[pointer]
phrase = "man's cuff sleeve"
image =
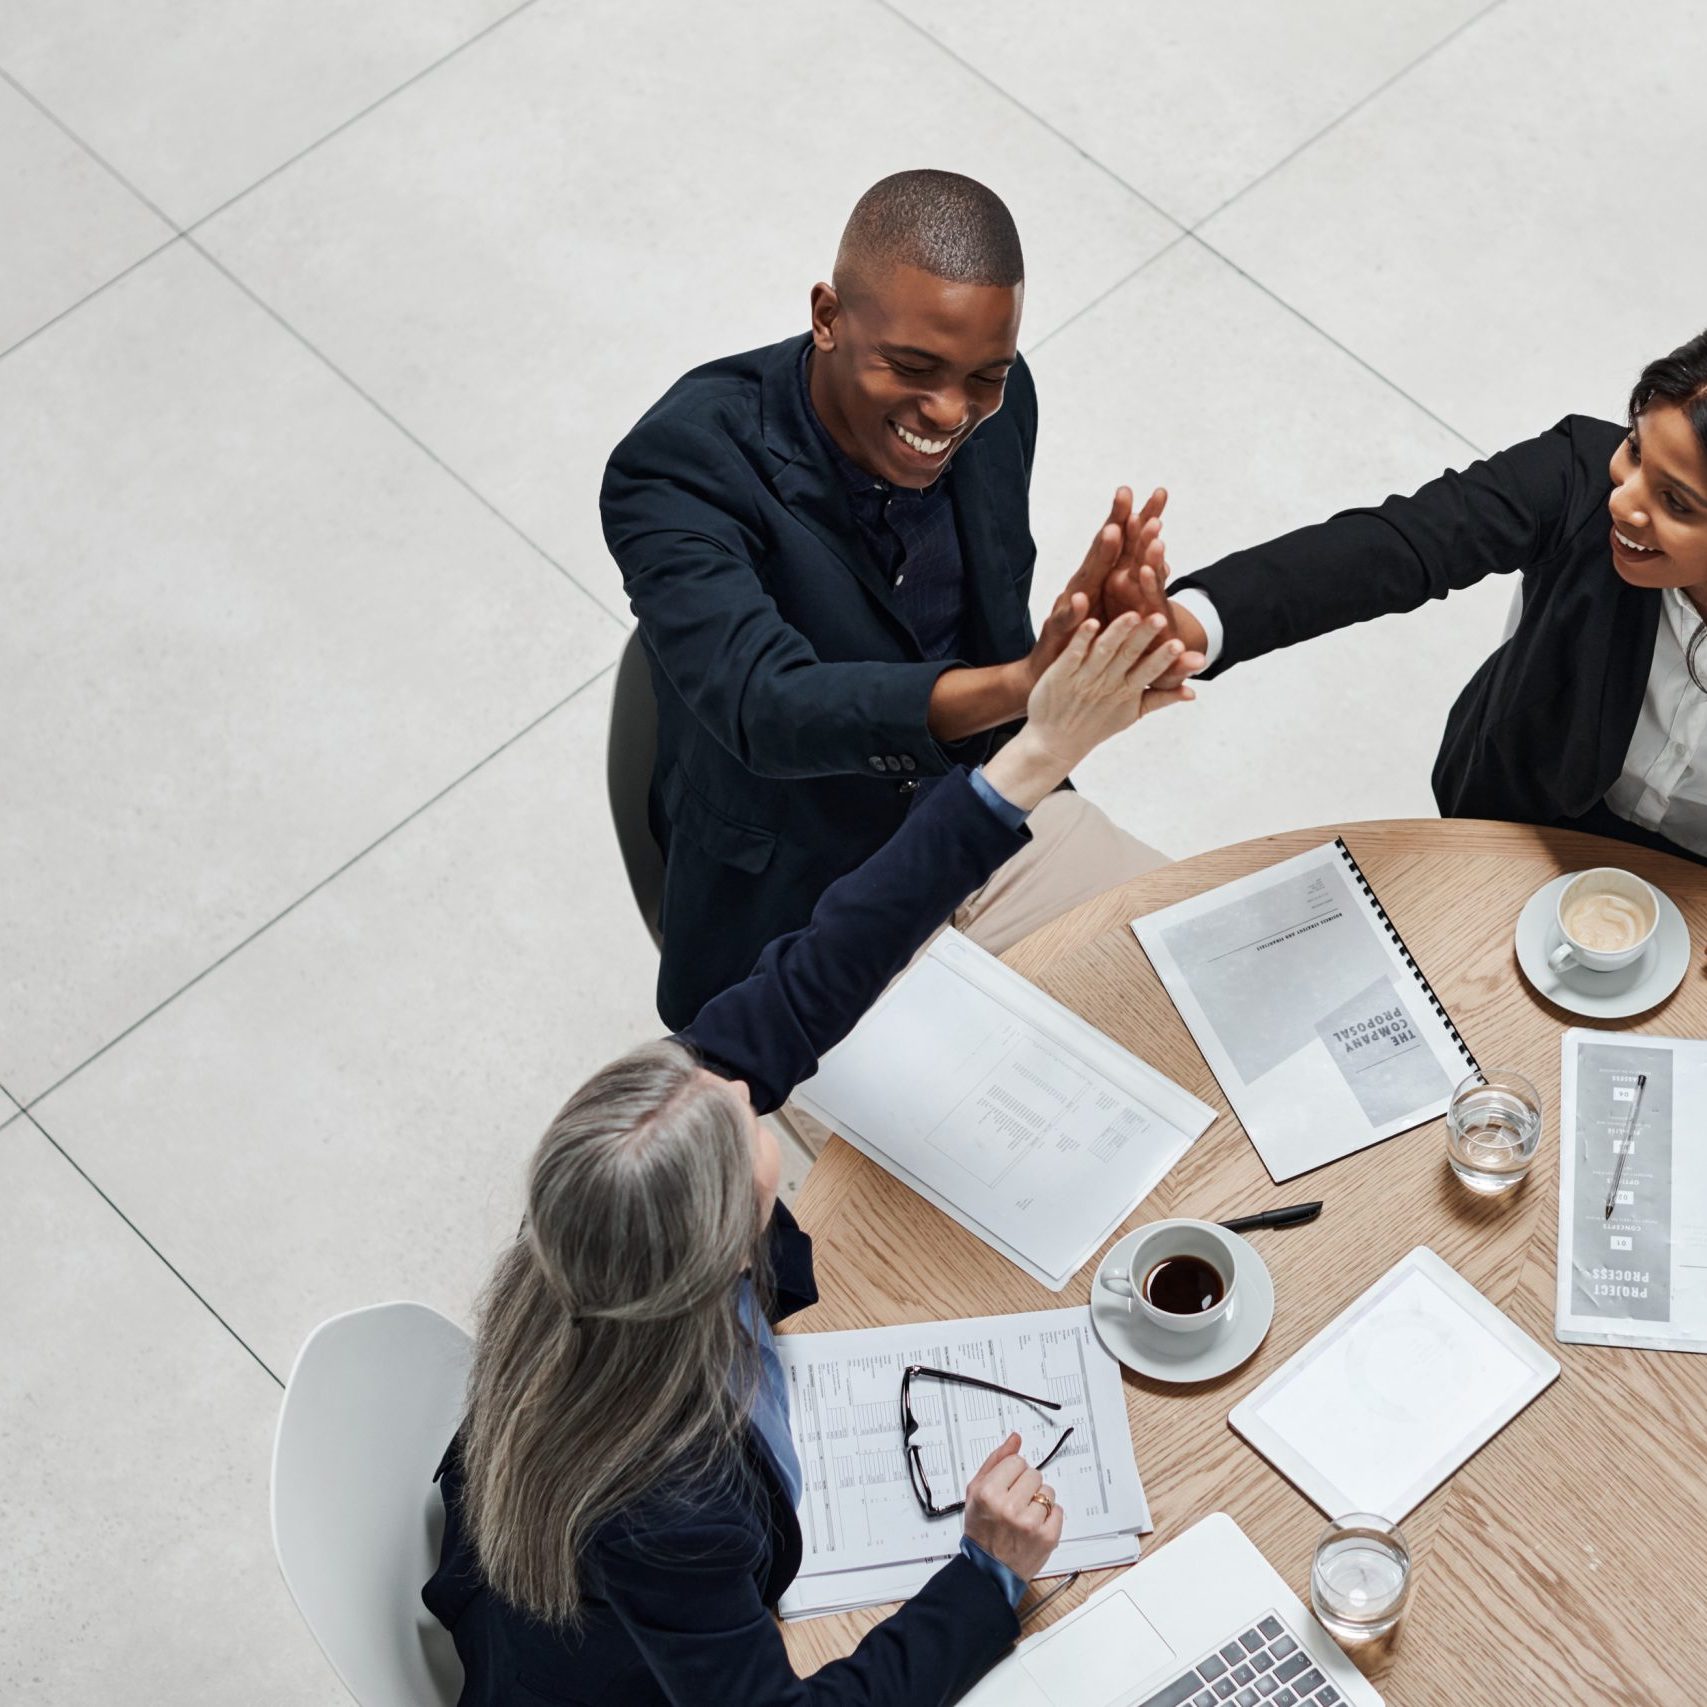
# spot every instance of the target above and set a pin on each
(1202, 607)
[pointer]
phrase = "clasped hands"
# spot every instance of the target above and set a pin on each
(1126, 569)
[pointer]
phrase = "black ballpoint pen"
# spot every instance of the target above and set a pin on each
(1624, 1148)
(1293, 1216)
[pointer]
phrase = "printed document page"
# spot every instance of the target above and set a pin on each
(1639, 1276)
(1306, 1010)
(858, 1511)
(1006, 1110)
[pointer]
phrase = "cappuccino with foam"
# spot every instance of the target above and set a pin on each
(1604, 921)
(1605, 918)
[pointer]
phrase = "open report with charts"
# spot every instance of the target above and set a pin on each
(866, 1538)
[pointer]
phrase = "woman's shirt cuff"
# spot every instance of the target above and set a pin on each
(1009, 1582)
(1203, 608)
(1011, 815)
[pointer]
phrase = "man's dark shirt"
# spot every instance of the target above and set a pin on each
(911, 533)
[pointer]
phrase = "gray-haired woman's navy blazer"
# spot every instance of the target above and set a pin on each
(680, 1591)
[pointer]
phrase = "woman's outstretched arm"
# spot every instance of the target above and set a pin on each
(810, 988)
(1507, 512)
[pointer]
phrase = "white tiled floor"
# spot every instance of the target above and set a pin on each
(516, 293)
(1521, 245)
(316, 324)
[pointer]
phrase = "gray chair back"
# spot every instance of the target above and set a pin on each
(629, 753)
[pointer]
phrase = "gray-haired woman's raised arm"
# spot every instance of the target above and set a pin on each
(810, 988)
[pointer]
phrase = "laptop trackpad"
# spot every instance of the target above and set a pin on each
(1098, 1657)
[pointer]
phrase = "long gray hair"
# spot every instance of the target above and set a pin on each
(611, 1361)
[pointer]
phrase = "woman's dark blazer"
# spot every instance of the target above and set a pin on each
(679, 1592)
(1540, 732)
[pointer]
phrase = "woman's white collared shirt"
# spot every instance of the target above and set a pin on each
(1663, 785)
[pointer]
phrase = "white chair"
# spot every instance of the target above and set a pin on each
(371, 1404)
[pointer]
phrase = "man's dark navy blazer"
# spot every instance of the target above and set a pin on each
(678, 1591)
(792, 694)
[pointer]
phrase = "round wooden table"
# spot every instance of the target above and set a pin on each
(1563, 1563)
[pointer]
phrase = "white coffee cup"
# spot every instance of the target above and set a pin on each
(1605, 918)
(1162, 1241)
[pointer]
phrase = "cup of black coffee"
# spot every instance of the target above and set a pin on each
(1181, 1275)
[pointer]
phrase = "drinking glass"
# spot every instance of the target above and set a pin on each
(1493, 1128)
(1359, 1577)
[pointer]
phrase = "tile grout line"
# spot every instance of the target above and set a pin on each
(94, 154)
(308, 894)
(356, 118)
(176, 1272)
(1036, 118)
(1357, 106)
(1193, 232)
(284, 165)
(414, 438)
(1345, 349)
(1102, 296)
(184, 234)
(90, 295)
(1196, 231)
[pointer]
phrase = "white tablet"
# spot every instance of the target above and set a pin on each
(1393, 1395)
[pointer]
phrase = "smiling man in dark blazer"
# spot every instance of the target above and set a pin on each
(827, 546)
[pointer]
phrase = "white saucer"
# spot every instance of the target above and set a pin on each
(1166, 1356)
(1633, 989)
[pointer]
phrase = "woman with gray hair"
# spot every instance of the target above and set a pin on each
(620, 1502)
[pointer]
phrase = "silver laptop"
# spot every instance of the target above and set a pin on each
(1205, 1621)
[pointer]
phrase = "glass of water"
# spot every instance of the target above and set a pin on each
(1493, 1128)
(1359, 1577)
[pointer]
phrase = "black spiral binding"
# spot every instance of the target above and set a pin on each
(1417, 972)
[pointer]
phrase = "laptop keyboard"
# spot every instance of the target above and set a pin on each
(1264, 1666)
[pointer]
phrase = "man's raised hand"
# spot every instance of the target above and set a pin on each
(1138, 583)
(1120, 552)
(1121, 547)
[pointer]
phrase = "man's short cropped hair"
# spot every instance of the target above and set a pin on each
(940, 222)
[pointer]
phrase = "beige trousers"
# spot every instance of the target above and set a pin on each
(1076, 851)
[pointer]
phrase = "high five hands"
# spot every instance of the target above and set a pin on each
(1126, 569)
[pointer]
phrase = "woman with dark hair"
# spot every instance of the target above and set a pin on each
(1592, 713)
(620, 1502)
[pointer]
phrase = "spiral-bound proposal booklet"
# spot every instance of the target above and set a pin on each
(1309, 1008)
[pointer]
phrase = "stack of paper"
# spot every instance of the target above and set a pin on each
(1007, 1111)
(866, 1538)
